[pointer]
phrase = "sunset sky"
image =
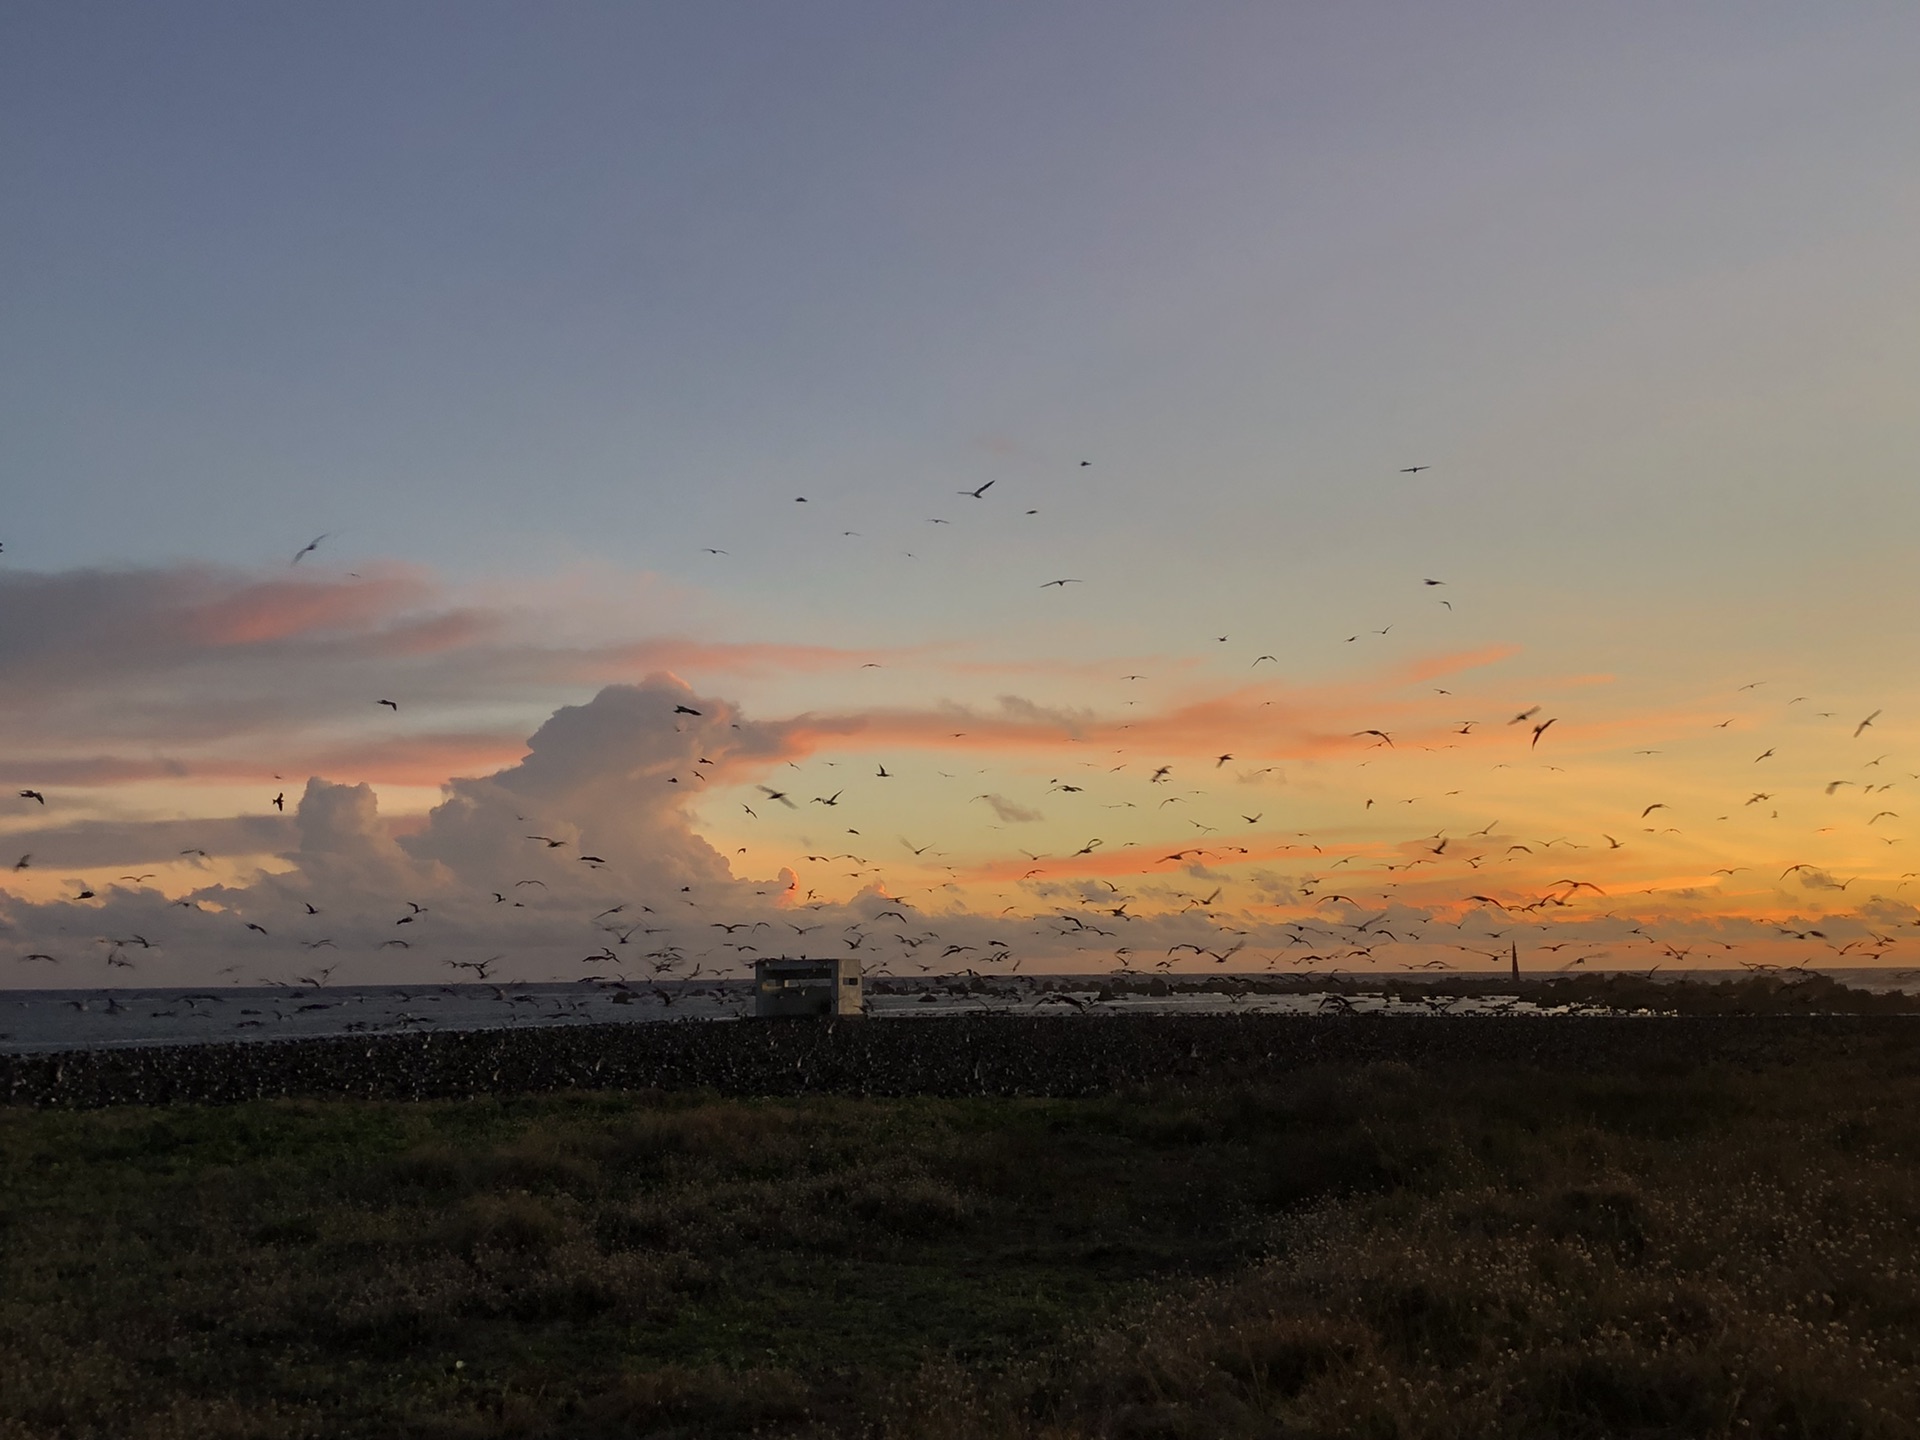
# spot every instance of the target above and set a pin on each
(767, 362)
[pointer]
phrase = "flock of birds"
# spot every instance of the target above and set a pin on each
(1125, 900)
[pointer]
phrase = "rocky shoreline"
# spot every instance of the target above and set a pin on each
(997, 1055)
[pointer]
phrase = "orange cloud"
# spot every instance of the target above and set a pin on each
(421, 760)
(1284, 725)
(269, 610)
(1432, 667)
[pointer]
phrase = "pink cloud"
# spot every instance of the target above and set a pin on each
(261, 612)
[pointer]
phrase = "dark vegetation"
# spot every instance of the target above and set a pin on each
(1713, 1233)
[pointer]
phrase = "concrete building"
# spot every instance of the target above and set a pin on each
(808, 987)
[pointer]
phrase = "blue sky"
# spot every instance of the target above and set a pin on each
(490, 284)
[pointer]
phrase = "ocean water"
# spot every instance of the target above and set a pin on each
(33, 1020)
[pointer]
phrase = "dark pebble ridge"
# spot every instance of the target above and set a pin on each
(949, 1056)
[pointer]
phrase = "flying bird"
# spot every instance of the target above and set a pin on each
(307, 549)
(1051, 583)
(280, 801)
(1414, 469)
(1657, 805)
(1540, 730)
(1524, 715)
(1865, 723)
(685, 710)
(33, 795)
(392, 705)
(977, 494)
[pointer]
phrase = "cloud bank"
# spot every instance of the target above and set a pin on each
(654, 827)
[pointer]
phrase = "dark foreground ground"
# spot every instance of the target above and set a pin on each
(1217, 1226)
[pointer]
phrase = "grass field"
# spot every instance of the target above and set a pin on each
(1362, 1250)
